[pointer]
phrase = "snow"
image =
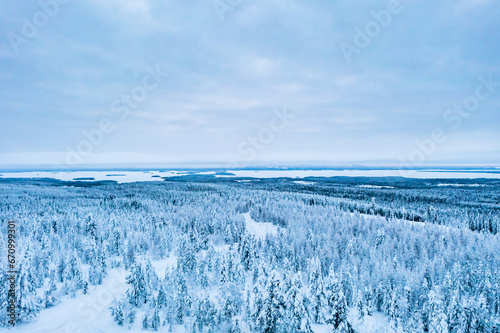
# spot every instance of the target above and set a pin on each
(90, 313)
(462, 185)
(160, 266)
(301, 182)
(84, 313)
(376, 323)
(375, 186)
(259, 229)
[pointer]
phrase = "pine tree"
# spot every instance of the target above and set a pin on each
(182, 298)
(186, 259)
(129, 256)
(155, 319)
(393, 309)
(473, 319)
(145, 322)
(162, 297)
(435, 312)
(336, 304)
(454, 312)
(117, 313)
(368, 301)
(297, 316)
(49, 297)
(235, 327)
(268, 313)
(205, 313)
(360, 306)
(28, 304)
(317, 293)
(4, 289)
(137, 292)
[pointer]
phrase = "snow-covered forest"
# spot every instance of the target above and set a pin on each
(199, 255)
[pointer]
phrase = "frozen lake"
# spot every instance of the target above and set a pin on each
(155, 175)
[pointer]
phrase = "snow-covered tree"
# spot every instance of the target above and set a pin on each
(316, 290)
(182, 297)
(205, 313)
(297, 317)
(436, 313)
(137, 292)
(117, 313)
(336, 304)
(28, 303)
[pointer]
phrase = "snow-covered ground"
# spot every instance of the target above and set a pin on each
(259, 229)
(84, 313)
(301, 182)
(89, 313)
(375, 186)
(376, 323)
(462, 185)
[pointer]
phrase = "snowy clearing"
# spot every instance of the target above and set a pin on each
(259, 229)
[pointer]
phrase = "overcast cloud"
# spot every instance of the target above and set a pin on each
(233, 68)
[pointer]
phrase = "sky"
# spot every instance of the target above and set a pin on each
(239, 83)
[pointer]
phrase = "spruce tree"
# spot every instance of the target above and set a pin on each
(336, 304)
(297, 317)
(316, 291)
(137, 292)
(436, 313)
(28, 303)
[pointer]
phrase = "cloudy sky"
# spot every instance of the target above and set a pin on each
(249, 82)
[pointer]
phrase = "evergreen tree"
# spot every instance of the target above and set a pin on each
(137, 292)
(393, 309)
(28, 303)
(205, 313)
(4, 289)
(360, 305)
(317, 292)
(336, 304)
(155, 319)
(368, 301)
(49, 296)
(269, 314)
(145, 322)
(473, 319)
(454, 312)
(436, 313)
(117, 313)
(297, 316)
(182, 298)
